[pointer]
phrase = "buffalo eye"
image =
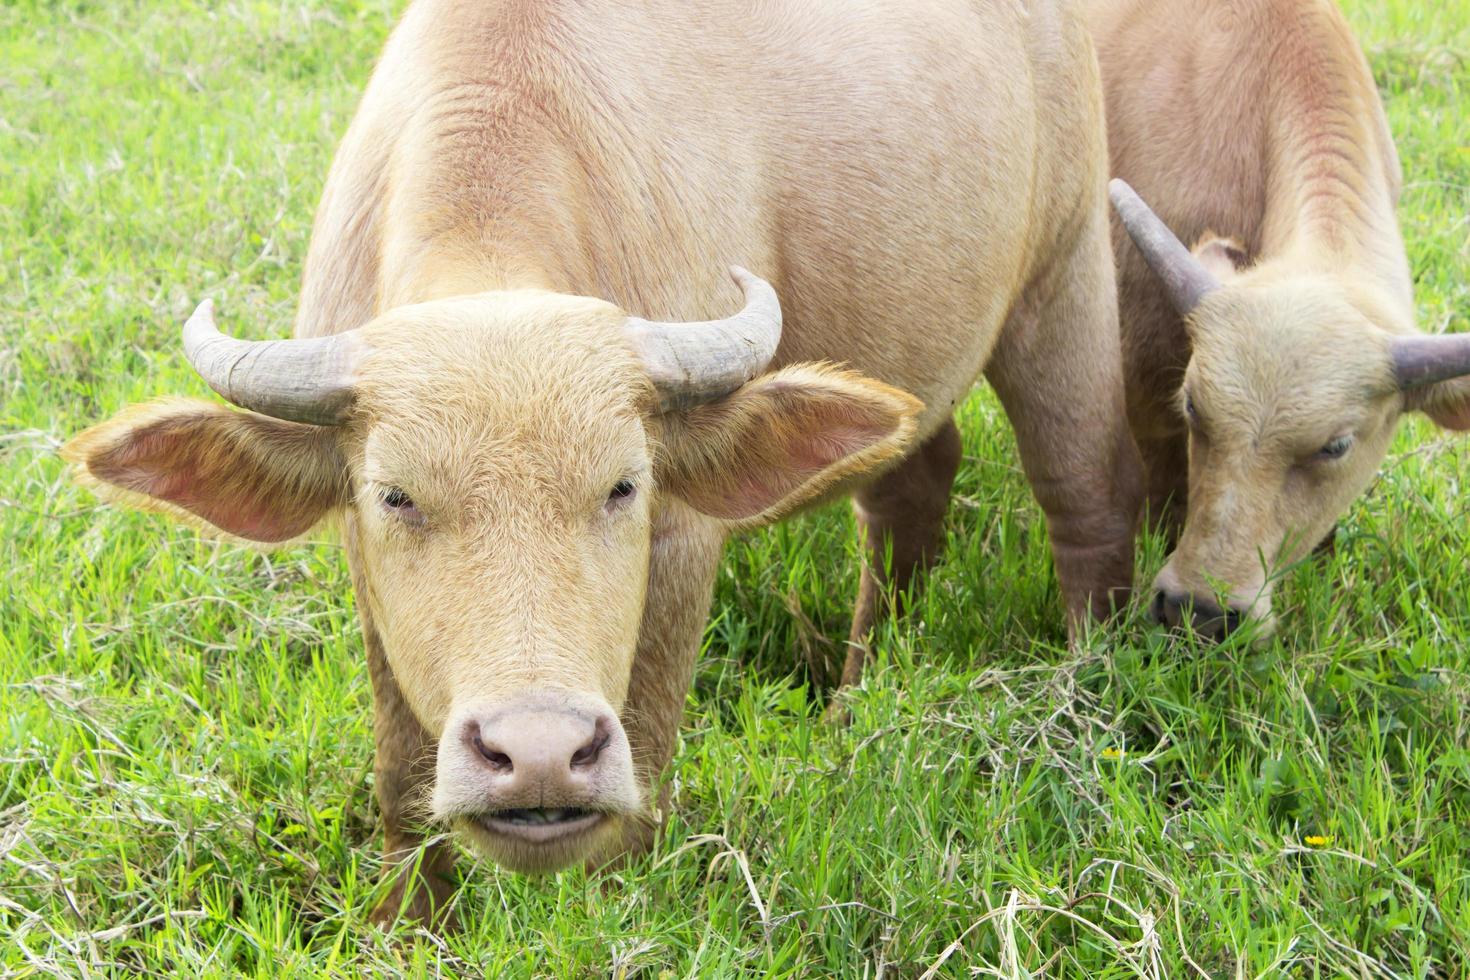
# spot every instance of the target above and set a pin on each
(1190, 412)
(621, 492)
(1336, 449)
(396, 501)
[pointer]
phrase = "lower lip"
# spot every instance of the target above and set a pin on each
(541, 833)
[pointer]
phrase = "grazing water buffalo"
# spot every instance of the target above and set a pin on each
(1268, 368)
(534, 484)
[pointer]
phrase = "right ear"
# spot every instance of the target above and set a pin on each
(1224, 257)
(782, 440)
(1446, 402)
(248, 475)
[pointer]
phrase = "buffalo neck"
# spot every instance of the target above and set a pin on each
(1333, 177)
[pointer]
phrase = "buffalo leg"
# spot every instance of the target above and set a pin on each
(421, 869)
(1166, 476)
(901, 519)
(1057, 368)
(1156, 351)
(684, 557)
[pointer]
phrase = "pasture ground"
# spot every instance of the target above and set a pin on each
(185, 750)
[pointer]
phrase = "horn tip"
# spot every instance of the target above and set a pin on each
(203, 312)
(1119, 190)
(200, 325)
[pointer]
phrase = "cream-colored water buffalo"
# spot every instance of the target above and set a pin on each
(1267, 370)
(536, 458)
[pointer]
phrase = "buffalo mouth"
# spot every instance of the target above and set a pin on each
(541, 825)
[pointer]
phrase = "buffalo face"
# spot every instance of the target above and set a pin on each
(500, 463)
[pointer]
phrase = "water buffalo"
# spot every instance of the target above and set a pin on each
(534, 451)
(1267, 367)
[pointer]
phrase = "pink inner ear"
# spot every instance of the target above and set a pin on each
(759, 487)
(815, 451)
(153, 461)
(772, 444)
(223, 467)
(749, 495)
(178, 487)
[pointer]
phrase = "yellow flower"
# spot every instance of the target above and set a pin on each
(1317, 841)
(1112, 753)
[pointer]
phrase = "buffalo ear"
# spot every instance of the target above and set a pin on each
(247, 475)
(1446, 402)
(783, 439)
(1224, 257)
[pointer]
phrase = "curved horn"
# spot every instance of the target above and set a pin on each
(1423, 359)
(1186, 280)
(692, 363)
(297, 380)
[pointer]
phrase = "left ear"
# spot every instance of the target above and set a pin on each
(249, 475)
(1446, 402)
(1224, 257)
(783, 439)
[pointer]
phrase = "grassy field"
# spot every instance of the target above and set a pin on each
(185, 740)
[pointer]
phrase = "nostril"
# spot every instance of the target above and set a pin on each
(589, 752)
(1233, 620)
(490, 754)
(1160, 608)
(498, 759)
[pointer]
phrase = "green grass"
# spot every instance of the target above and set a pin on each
(185, 747)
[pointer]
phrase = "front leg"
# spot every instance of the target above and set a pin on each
(900, 516)
(683, 559)
(420, 868)
(1156, 351)
(1166, 475)
(1058, 371)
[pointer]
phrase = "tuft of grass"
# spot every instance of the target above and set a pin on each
(185, 735)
